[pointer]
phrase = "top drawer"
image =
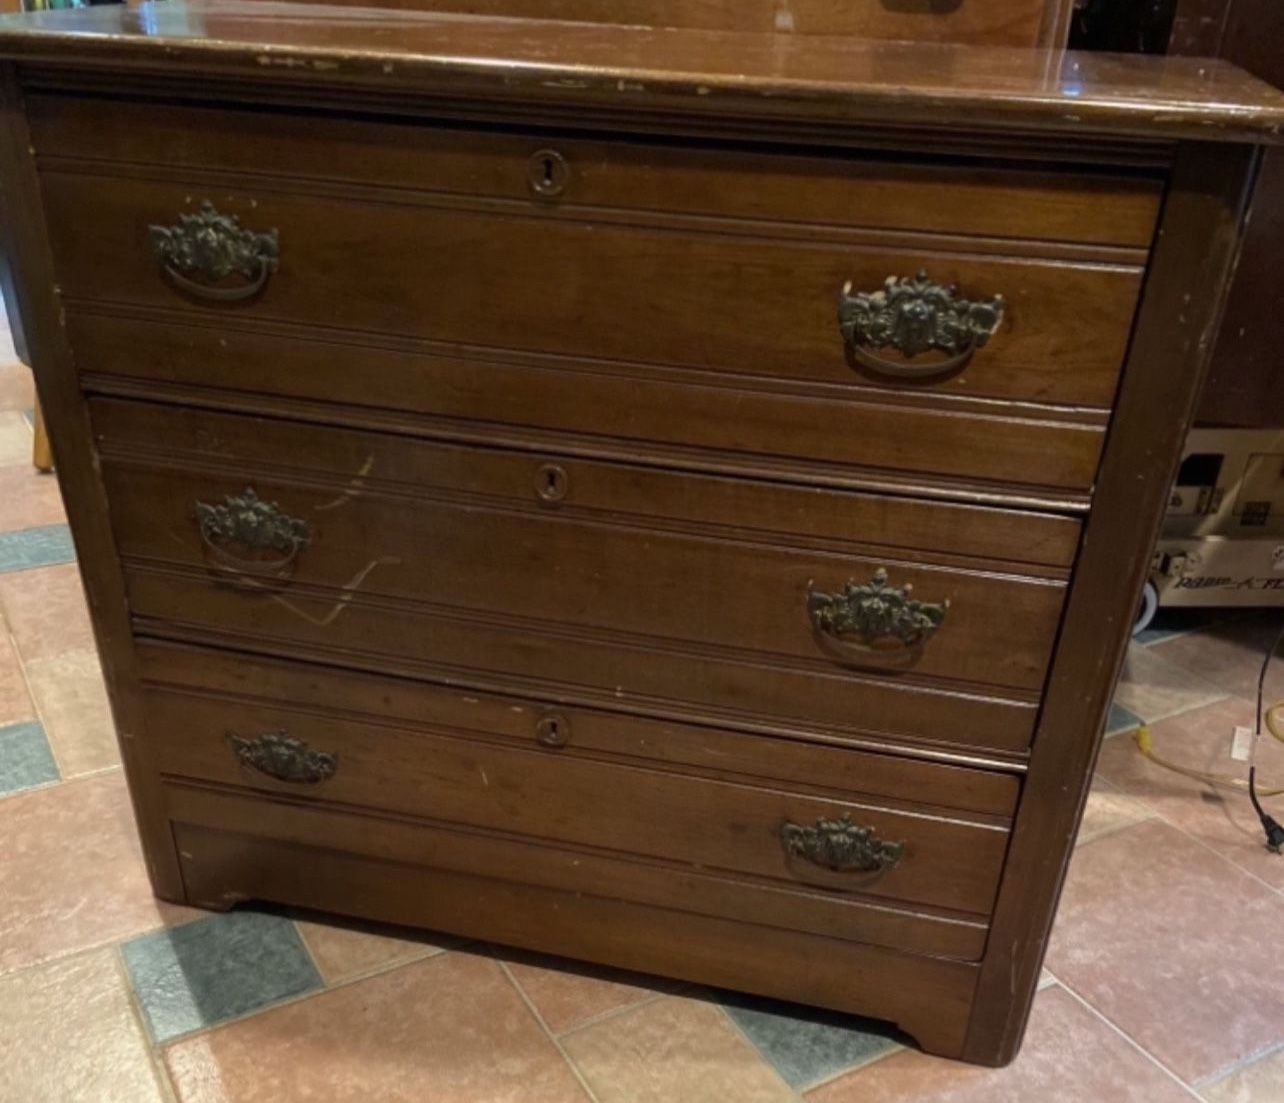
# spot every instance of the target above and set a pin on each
(724, 262)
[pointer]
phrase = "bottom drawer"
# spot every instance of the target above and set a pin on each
(233, 850)
(670, 814)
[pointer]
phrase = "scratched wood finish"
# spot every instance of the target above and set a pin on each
(1245, 388)
(562, 796)
(402, 57)
(608, 578)
(710, 749)
(742, 299)
(665, 334)
(1041, 544)
(651, 676)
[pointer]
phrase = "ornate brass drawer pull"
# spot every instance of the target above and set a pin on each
(875, 618)
(251, 536)
(284, 757)
(202, 250)
(914, 316)
(841, 846)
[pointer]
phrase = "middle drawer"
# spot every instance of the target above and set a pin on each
(673, 586)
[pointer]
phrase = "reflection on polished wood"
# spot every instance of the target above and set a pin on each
(658, 68)
(466, 413)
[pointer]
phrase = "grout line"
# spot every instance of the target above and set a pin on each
(825, 1081)
(1159, 815)
(271, 1005)
(615, 1012)
(1239, 1066)
(1130, 1040)
(422, 954)
(740, 1033)
(40, 716)
(298, 997)
(543, 1026)
(154, 1053)
(307, 953)
(1159, 718)
(67, 955)
(22, 791)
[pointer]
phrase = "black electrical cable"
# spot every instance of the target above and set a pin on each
(1274, 831)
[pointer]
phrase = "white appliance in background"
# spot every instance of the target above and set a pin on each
(1222, 541)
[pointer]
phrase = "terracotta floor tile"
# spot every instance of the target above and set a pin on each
(17, 388)
(15, 439)
(28, 499)
(570, 993)
(72, 701)
(1172, 944)
(1221, 818)
(1260, 1082)
(1230, 654)
(15, 702)
(1109, 810)
(1151, 687)
(69, 1035)
(344, 950)
(46, 611)
(673, 1050)
(72, 876)
(450, 1028)
(1069, 1056)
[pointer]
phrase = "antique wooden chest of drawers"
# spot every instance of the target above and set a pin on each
(668, 497)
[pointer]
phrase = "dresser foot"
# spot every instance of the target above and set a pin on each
(936, 1033)
(224, 902)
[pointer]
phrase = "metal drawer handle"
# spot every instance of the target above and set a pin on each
(875, 618)
(914, 316)
(251, 536)
(202, 250)
(841, 846)
(284, 757)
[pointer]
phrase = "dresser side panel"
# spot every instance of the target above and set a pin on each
(1195, 253)
(30, 287)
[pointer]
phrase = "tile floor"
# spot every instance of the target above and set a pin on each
(1165, 976)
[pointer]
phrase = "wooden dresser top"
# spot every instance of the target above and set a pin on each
(656, 69)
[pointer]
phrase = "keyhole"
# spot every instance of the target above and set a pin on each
(551, 483)
(552, 731)
(547, 172)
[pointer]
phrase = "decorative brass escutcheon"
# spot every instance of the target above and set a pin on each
(201, 251)
(914, 316)
(875, 616)
(280, 755)
(249, 535)
(841, 846)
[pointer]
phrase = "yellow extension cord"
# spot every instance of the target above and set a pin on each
(1274, 725)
